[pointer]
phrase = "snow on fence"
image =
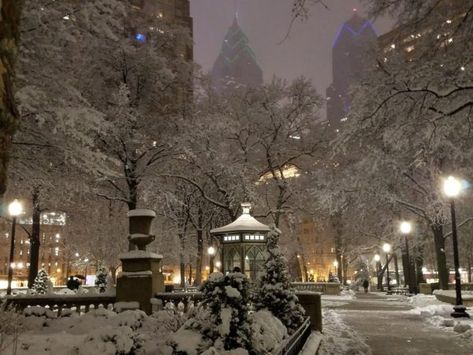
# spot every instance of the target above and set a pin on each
(57, 303)
(327, 288)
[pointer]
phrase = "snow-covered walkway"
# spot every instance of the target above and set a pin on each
(388, 328)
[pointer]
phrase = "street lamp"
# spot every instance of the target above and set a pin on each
(405, 228)
(335, 265)
(387, 250)
(452, 188)
(211, 251)
(14, 209)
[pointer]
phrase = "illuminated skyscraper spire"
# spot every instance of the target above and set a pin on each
(236, 64)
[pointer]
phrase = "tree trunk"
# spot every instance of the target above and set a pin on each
(336, 222)
(35, 240)
(469, 270)
(345, 271)
(405, 268)
(439, 242)
(200, 253)
(113, 272)
(182, 264)
(190, 274)
(379, 276)
(9, 21)
(396, 269)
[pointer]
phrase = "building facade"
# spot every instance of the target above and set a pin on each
(350, 53)
(56, 257)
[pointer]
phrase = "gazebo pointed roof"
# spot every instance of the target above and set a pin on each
(244, 223)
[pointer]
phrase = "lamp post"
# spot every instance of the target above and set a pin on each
(452, 188)
(335, 265)
(14, 209)
(387, 249)
(211, 252)
(405, 228)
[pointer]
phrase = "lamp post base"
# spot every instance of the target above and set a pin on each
(459, 311)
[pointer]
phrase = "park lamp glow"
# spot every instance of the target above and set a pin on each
(218, 264)
(452, 187)
(211, 251)
(15, 208)
(335, 263)
(377, 258)
(386, 247)
(405, 227)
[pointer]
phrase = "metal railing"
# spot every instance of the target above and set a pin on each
(294, 344)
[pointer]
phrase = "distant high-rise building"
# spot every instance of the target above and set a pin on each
(350, 57)
(170, 12)
(236, 64)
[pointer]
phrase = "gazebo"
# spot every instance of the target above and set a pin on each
(243, 244)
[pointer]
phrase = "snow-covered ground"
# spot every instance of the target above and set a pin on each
(337, 300)
(437, 313)
(338, 338)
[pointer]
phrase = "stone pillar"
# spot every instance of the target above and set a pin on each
(141, 277)
(311, 302)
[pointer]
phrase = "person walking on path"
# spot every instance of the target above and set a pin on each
(366, 285)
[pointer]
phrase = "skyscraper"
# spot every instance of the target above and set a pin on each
(236, 64)
(350, 52)
(175, 13)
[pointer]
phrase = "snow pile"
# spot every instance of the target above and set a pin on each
(267, 332)
(438, 313)
(312, 344)
(339, 338)
(99, 331)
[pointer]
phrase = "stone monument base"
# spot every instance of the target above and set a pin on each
(140, 279)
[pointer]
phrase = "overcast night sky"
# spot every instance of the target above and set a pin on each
(306, 52)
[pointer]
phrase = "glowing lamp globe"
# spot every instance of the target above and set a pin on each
(335, 263)
(377, 257)
(386, 247)
(211, 251)
(452, 187)
(15, 208)
(405, 227)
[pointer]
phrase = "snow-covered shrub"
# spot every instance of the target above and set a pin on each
(222, 319)
(101, 280)
(112, 341)
(275, 292)
(42, 284)
(267, 333)
(133, 319)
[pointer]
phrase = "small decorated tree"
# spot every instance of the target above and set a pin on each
(101, 279)
(42, 284)
(275, 292)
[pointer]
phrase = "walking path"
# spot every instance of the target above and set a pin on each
(388, 330)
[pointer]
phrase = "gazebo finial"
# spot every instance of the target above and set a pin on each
(246, 207)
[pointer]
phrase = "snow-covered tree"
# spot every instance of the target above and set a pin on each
(101, 279)
(275, 292)
(226, 298)
(42, 283)
(8, 51)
